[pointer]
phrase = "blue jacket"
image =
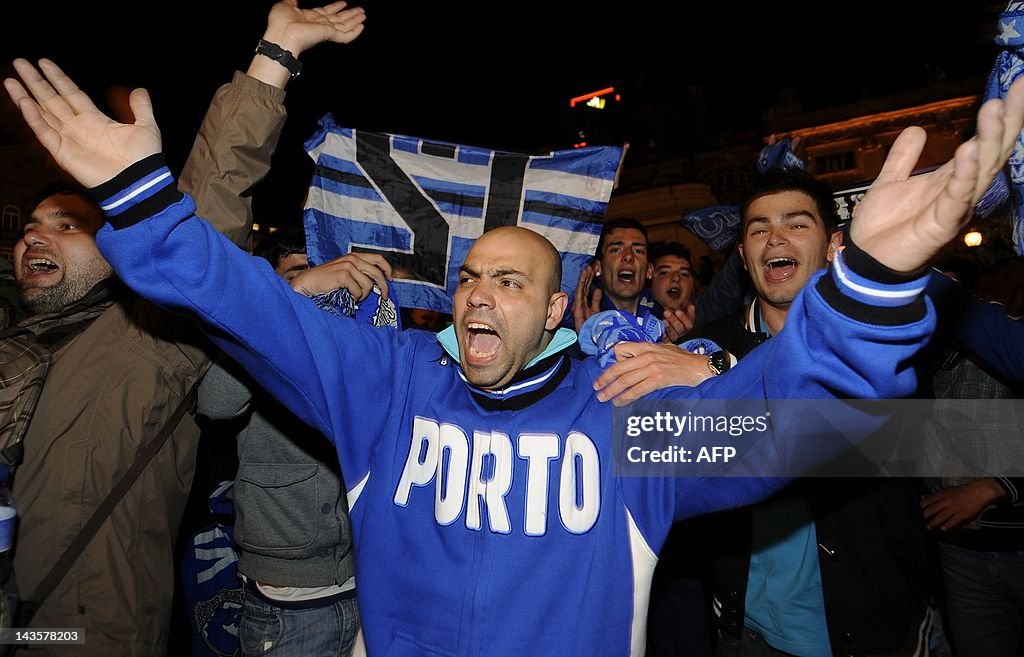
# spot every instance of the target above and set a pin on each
(490, 523)
(981, 326)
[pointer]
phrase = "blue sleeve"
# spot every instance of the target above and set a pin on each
(848, 335)
(983, 328)
(300, 354)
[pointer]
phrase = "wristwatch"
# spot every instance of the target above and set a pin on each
(717, 362)
(279, 55)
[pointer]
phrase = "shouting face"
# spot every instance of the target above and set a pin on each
(623, 266)
(784, 241)
(507, 304)
(672, 284)
(56, 261)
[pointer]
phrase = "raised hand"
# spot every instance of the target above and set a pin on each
(358, 273)
(904, 220)
(84, 141)
(297, 30)
(583, 307)
(679, 322)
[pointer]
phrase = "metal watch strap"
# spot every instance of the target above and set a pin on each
(280, 55)
(717, 363)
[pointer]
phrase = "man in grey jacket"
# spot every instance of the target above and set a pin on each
(292, 517)
(292, 527)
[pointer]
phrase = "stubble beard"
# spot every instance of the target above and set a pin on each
(73, 287)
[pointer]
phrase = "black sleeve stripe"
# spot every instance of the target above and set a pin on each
(865, 265)
(132, 213)
(866, 313)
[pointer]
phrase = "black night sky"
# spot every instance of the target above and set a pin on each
(501, 74)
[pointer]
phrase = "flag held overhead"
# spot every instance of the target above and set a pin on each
(421, 203)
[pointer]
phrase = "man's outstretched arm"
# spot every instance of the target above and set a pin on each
(852, 330)
(160, 249)
(897, 229)
(981, 326)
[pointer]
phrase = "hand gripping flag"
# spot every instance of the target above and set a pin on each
(421, 204)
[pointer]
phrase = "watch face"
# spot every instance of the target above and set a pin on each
(718, 361)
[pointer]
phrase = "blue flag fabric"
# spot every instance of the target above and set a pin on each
(213, 592)
(603, 330)
(422, 203)
(1009, 64)
(717, 225)
(779, 155)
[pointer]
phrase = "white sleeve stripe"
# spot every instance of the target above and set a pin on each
(874, 292)
(130, 194)
(1006, 483)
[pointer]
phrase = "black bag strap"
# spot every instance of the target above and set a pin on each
(27, 608)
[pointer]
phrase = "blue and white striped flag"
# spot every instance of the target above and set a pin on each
(421, 204)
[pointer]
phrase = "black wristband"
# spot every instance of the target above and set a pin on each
(279, 55)
(864, 264)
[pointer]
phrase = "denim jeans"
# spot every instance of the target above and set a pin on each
(268, 629)
(984, 600)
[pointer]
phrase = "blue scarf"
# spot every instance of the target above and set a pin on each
(1009, 183)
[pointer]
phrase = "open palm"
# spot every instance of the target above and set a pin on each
(904, 220)
(84, 141)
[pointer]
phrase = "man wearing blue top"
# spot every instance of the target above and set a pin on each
(486, 516)
(617, 280)
(825, 567)
(618, 276)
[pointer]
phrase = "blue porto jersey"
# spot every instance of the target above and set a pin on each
(490, 522)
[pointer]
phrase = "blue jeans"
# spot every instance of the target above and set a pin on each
(268, 629)
(984, 600)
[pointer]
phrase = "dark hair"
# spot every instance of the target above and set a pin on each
(615, 224)
(662, 249)
(282, 243)
(792, 179)
(64, 189)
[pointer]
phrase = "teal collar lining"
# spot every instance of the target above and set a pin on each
(564, 337)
